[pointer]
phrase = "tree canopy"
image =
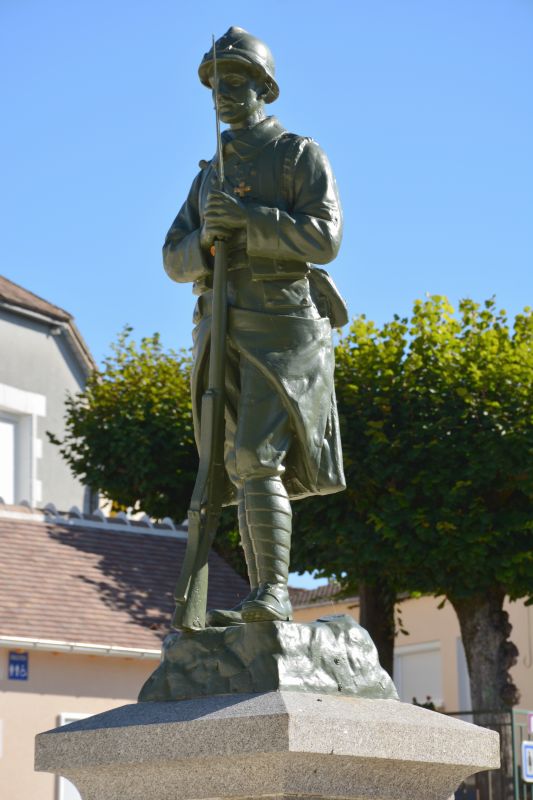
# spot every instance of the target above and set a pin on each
(437, 430)
(129, 433)
(436, 419)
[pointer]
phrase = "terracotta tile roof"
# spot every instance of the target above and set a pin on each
(78, 583)
(321, 594)
(13, 293)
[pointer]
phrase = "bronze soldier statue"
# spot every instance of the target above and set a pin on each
(279, 214)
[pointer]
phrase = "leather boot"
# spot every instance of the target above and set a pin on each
(220, 618)
(269, 520)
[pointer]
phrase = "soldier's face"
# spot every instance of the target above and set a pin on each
(239, 92)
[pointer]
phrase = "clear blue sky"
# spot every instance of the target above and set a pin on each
(425, 109)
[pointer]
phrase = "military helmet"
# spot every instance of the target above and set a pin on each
(239, 45)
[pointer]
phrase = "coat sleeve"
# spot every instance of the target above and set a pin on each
(183, 258)
(311, 230)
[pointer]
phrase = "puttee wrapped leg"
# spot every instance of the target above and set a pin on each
(220, 618)
(269, 520)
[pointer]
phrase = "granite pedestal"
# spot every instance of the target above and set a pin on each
(272, 745)
(268, 710)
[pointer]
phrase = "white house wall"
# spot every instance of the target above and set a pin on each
(34, 360)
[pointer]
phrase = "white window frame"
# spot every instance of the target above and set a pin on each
(23, 408)
(64, 718)
(463, 680)
(410, 649)
(13, 420)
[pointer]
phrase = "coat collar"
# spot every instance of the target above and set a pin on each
(248, 142)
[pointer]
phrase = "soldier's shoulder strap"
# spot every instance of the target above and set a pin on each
(291, 146)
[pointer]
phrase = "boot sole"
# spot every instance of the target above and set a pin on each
(222, 621)
(261, 615)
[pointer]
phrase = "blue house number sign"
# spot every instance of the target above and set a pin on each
(527, 762)
(18, 669)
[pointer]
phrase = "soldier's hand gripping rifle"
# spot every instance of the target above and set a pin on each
(206, 501)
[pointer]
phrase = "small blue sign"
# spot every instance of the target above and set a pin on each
(527, 762)
(18, 669)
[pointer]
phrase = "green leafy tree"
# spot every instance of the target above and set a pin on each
(129, 435)
(437, 428)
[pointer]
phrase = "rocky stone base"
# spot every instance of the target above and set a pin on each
(333, 655)
(268, 747)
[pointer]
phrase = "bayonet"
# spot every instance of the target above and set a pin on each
(220, 154)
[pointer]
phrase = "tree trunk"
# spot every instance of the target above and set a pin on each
(485, 630)
(376, 614)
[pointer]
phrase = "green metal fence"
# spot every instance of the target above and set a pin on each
(520, 718)
(504, 783)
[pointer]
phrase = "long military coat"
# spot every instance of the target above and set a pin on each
(295, 220)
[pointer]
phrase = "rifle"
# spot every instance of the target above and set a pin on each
(206, 500)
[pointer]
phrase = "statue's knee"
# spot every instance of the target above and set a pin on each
(246, 463)
(250, 468)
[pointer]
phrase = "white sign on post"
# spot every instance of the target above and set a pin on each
(530, 723)
(527, 762)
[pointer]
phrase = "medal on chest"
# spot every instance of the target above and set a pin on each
(241, 181)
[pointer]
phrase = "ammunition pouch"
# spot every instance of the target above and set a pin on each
(327, 297)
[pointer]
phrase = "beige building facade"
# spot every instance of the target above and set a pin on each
(430, 659)
(60, 687)
(85, 602)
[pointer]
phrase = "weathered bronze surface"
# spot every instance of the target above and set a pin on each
(333, 655)
(278, 214)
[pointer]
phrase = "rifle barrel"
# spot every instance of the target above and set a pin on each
(206, 501)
